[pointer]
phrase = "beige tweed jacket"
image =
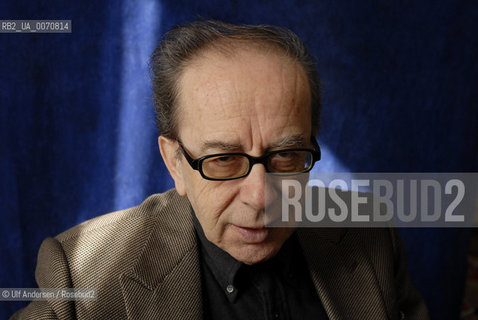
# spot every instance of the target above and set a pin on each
(144, 262)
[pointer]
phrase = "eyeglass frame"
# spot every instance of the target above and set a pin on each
(196, 164)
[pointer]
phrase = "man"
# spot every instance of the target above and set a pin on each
(233, 102)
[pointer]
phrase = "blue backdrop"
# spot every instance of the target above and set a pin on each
(77, 124)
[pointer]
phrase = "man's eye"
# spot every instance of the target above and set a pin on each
(286, 155)
(224, 159)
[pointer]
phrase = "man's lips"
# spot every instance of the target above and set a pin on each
(252, 235)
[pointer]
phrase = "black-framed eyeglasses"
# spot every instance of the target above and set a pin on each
(235, 165)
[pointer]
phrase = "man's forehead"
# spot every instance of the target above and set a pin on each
(236, 53)
(212, 72)
(254, 93)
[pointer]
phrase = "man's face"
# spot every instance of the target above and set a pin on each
(249, 102)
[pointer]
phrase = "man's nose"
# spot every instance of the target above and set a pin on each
(254, 189)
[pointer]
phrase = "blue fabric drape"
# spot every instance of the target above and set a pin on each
(77, 124)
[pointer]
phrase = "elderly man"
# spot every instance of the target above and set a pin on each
(233, 103)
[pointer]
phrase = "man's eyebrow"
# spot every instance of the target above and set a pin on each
(221, 145)
(294, 140)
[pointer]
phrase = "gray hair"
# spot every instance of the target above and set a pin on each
(183, 43)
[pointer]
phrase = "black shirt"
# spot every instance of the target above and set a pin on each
(280, 288)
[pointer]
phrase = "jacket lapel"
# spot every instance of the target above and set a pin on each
(166, 279)
(345, 281)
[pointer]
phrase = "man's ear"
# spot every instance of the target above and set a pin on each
(169, 152)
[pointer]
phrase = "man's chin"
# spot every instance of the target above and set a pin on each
(255, 253)
(256, 248)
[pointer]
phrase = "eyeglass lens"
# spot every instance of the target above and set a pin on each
(230, 166)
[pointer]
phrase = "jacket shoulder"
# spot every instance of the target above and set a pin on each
(114, 241)
(150, 209)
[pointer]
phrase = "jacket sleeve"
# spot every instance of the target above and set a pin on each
(409, 300)
(52, 271)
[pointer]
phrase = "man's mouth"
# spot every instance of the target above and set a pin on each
(252, 235)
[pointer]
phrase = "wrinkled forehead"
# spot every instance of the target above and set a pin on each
(242, 82)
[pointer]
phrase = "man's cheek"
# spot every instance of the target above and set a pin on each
(205, 191)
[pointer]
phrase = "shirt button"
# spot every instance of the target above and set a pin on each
(230, 288)
(276, 316)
